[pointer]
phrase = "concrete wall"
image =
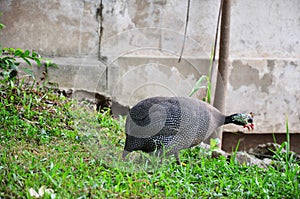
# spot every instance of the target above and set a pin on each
(141, 42)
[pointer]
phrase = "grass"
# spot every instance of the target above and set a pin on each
(52, 142)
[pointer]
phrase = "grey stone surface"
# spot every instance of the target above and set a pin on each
(250, 160)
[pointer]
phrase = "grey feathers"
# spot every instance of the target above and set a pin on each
(173, 122)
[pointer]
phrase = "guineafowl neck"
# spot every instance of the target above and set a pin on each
(229, 119)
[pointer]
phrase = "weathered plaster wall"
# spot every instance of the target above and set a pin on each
(141, 42)
(53, 28)
(265, 29)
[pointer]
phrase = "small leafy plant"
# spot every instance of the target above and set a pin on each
(10, 59)
(10, 62)
(25, 106)
(203, 79)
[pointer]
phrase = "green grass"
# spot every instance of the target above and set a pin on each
(48, 140)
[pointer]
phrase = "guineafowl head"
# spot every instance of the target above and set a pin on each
(241, 119)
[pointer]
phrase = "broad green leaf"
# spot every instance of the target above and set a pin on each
(37, 60)
(49, 63)
(11, 50)
(18, 52)
(34, 54)
(27, 61)
(198, 85)
(26, 53)
(29, 72)
(2, 26)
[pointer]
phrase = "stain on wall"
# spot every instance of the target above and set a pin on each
(246, 75)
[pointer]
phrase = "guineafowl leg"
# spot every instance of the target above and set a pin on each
(125, 153)
(177, 158)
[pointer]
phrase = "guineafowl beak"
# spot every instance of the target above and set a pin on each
(249, 126)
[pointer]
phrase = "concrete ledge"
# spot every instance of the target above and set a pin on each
(247, 141)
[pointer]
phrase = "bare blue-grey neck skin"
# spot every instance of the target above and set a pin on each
(240, 119)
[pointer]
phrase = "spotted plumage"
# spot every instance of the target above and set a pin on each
(174, 123)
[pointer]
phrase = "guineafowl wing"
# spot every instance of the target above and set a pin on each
(154, 117)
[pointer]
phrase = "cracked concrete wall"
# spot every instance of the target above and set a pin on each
(53, 28)
(141, 43)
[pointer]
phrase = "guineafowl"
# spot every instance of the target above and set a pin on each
(174, 123)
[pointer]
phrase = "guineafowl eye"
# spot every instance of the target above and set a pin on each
(250, 120)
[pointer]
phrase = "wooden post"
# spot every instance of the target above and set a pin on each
(222, 77)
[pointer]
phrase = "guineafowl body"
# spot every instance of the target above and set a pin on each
(173, 123)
